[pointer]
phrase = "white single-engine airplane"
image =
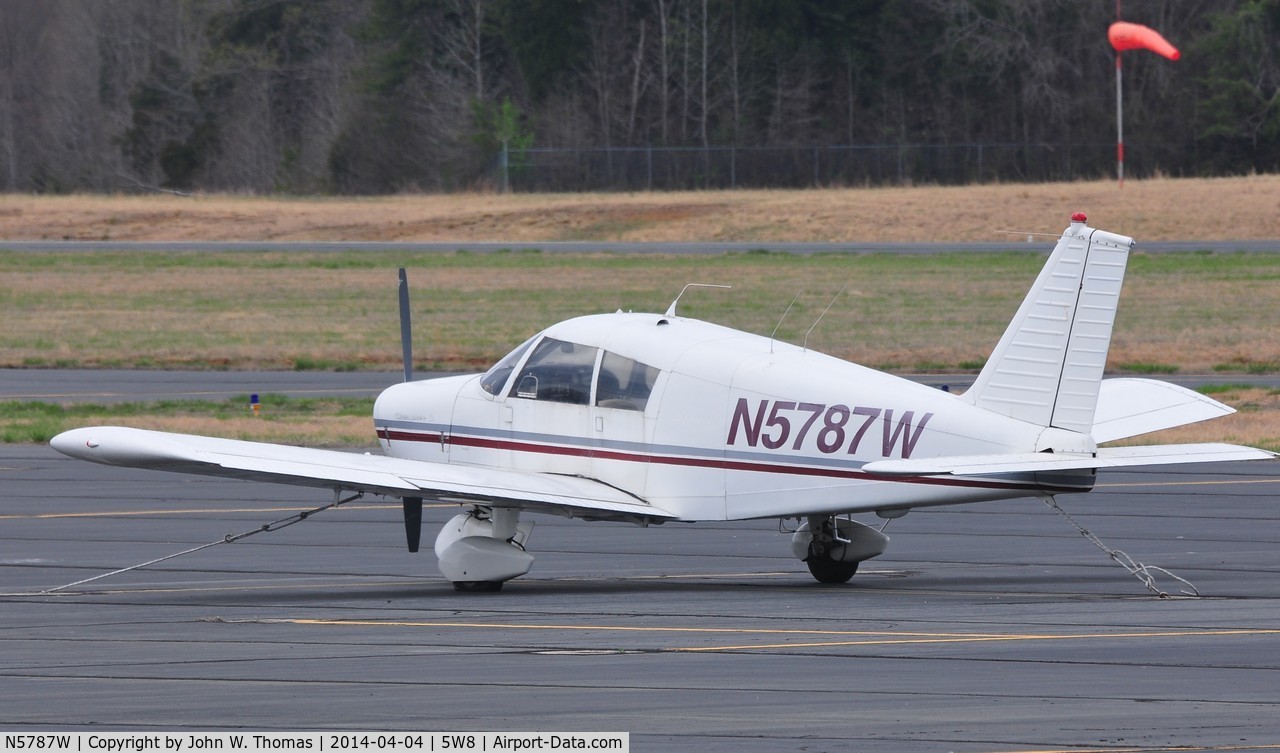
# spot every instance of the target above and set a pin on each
(650, 418)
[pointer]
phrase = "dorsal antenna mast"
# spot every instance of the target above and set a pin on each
(671, 310)
(824, 313)
(774, 333)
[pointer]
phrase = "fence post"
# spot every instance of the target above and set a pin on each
(506, 161)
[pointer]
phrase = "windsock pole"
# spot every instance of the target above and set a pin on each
(1119, 115)
(1119, 123)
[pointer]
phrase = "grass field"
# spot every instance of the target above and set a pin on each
(334, 422)
(1188, 313)
(1159, 209)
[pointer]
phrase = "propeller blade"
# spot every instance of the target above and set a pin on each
(413, 522)
(406, 328)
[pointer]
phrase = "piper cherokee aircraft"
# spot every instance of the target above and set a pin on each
(650, 418)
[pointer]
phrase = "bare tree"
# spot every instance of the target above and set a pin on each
(793, 113)
(664, 73)
(616, 71)
(372, 95)
(686, 85)
(706, 45)
(463, 42)
(21, 22)
(638, 82)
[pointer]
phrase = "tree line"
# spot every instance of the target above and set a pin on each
(372, 96)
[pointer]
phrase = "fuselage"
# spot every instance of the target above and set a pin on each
(710, 423)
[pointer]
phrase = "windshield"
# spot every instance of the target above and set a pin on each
(558, 372)
(494, 379)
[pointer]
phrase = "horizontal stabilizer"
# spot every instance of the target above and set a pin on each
(1130, 407)
(1031, 462)
(330, 469)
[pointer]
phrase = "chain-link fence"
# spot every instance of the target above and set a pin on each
(691, 168)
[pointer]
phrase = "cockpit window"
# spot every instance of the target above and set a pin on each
(557, 371)
(624, 383)
(495, 378)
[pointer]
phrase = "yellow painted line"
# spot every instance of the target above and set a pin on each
(169, 395)
(695, 576)
(868, 637)
(126, 513)
(409, 582)
(1221, 482)
(977, 638)
(613, 628)
(1154, 749)
(264, 587)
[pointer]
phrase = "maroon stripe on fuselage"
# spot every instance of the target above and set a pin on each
(696, 462)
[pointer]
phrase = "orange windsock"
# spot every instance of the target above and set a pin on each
(1126, 36)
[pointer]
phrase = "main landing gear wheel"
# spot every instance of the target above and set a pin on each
(829, 571)
(832, 547)
(477, 586)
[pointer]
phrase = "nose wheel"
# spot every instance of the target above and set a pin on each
(832, 547)
(478, 586)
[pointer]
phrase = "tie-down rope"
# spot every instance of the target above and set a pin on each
(229, 538)
(1137, 569)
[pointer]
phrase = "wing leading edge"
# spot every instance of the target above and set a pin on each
(331, 469)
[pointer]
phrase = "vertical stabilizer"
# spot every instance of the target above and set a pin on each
(1047, 367)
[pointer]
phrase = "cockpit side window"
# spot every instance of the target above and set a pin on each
(558, 372)
(624, 383)
(496, 378)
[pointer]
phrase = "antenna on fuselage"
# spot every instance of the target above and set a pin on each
(784, 316)
(671, 310)
(824, 313)
(406, 327)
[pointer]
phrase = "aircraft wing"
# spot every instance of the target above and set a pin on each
(1028, 462)
(1129, 407)
(331, 469)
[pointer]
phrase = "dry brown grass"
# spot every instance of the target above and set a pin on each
(1158, 209)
